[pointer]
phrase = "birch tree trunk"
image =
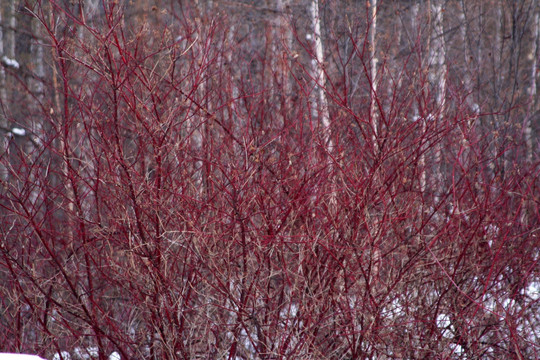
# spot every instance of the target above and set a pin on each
(319, 76)
(437, 77)
(437, 56)
(3, 102)
(415, 30)
(373, 64)
(197, 127)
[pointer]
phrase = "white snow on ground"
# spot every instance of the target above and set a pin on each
(8, 356)
(62, 355)
(458, 350)
(114, 356)
(492, 232)
(444, 323)
(12, 63)
(508, 304)
(248, 341)
(533, 290)
(91, 352)
(18, 131)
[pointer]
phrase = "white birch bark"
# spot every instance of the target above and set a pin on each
(437, 77)
(373, 111)
(437, 55)
(196, 125)
(422, 161)
(319, 75)
(373, 65)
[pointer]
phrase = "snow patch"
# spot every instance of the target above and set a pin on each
(444, 323)
(91, 352)
(62, 355)
(489, 303)
(114, 356)
(10, 356)
(18, 131)
(248, 340)
(533, 290)
(289, 312)
(458, 350)
(508, 304)
(11, 63)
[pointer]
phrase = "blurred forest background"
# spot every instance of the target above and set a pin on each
(270, 179)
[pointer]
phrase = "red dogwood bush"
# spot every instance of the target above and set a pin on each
(230, 181)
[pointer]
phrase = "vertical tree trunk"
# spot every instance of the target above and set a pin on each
(197, 127)
(376, 258)
(7, 49)
(437, 55)
(415, 31)
(464, 28)
(373, 63)
(3, 94)
(9, 45)
(319, 75)
(437, 77)
(286, 37)
(532, 87)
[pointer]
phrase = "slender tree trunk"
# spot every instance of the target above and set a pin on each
(319, 75)
(196, 127)
(3, 101)
(3, 94)
(437, 77)
(286, 37)
(465, 31)
(437, 55)
(373, 115)
(9, 46)
(373, 64)
(416, 33)
(7, 50)
(532, 87)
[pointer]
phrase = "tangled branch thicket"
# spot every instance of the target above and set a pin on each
(175, 193)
